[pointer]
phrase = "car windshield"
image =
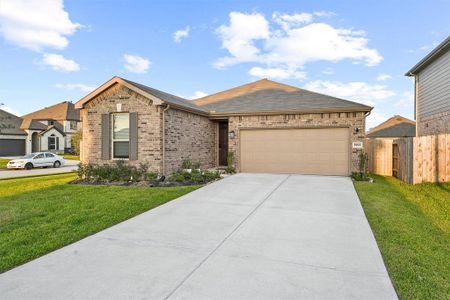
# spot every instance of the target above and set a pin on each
(29, 155)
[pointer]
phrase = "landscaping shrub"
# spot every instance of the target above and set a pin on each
(152, 176)
(186, 164)
(230, 169)
(121, 172)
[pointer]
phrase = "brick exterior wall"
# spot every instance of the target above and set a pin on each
(149, 126)
(352, 120)
(435, 124)
(189, 136)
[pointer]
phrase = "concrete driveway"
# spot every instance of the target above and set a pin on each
(70, 166)
(249, 236)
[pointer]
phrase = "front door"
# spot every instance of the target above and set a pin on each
(223, 143)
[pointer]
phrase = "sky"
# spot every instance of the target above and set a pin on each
(54, 50)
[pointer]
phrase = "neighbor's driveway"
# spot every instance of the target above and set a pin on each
(248, 236)
(70, 166)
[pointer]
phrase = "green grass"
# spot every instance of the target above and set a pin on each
(41, 214)
(71, 156)
(3, 162)
(412, 226)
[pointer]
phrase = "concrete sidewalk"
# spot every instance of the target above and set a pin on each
(249, 236)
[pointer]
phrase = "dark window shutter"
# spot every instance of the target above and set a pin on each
(133, 136)
(106, 140)
(57, 143)
(49, 142)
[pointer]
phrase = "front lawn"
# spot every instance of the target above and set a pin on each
(3, 162)
(412, 227)
(71, 156)
(41, 214)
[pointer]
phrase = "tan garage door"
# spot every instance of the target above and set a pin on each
(303, 151)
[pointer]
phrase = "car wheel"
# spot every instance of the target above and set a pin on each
(56, 164)
(29, 166)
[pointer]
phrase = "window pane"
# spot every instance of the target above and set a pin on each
(121, 149)
(121, 126)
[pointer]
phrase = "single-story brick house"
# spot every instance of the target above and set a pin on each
(267, 126)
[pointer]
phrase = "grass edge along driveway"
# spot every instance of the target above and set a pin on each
(41, 214)
(412, 227)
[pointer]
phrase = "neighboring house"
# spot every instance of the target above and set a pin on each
(394, 127)
(51, 128)
(266, 126)
(432, 91)
(12, 138)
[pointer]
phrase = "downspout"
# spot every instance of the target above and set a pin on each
(164, 140)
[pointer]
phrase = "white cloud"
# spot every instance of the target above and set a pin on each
(180, 34)
(406, 100)
(197, 94)
(59, 63)
(324, 13)
(328, 71)
(238, 38)
(356, 91)
(250, 38)
(375, 118)
(10, 110)
(277, 73)
(136, 64)
(287, 21)
(36, 24)
(383, 77)
(75, 86)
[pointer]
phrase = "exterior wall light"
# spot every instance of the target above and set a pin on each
(356, 130)
(232, 135)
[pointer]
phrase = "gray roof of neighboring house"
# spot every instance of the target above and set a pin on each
(166, 97)
(269, 100)
(435, 53)
(10, 124)
(398, 130)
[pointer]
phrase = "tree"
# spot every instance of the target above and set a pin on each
(76, 138)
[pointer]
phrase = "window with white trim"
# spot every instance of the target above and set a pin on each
(120, 135)
(53, 142)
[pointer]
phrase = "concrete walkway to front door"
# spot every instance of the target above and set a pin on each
(249, 236)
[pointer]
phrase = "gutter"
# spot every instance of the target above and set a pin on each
(164, 139)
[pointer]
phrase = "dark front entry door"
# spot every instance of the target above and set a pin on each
(223, 143)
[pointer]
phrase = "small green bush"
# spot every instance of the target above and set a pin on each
(230, 169)
(211, 175)
(196, 165)
(177, 177)
(186, 164)
(196, 176)
(152, 176)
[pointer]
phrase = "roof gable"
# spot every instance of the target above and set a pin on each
(252, 87)
(396, 126)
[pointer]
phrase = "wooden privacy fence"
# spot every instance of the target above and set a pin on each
(413, 160)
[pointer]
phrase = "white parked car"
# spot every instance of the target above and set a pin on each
(37, 160)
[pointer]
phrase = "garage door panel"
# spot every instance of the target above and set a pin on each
(322, 151)
(12, 147)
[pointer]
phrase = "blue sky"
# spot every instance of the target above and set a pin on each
(357, 50)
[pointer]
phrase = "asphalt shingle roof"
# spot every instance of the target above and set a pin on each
(268, 100)
(166, 97)
(397, 130)
(10, 124)
(61, 111)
